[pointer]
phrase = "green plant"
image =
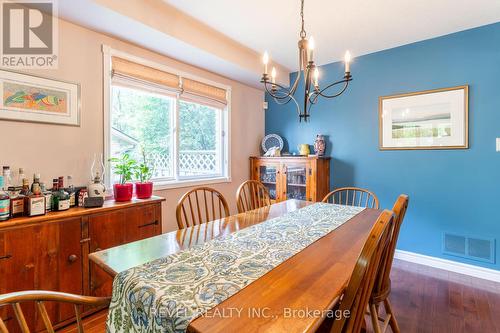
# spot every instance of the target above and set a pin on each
(124, 166)
(143, 172)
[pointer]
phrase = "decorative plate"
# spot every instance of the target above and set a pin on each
(272, 140)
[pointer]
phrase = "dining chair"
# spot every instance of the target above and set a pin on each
(39, 297)
(352, 196)
(200, 205)
(355, 298)
(382, 287)
(251, 195)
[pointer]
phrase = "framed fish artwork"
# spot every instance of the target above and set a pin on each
(36, 99)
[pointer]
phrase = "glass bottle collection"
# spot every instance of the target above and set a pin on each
(19, 198)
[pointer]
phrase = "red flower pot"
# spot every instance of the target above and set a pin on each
(123, 192)
(144, 190)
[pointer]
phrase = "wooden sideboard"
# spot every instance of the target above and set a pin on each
(293, 177)
(50, 252)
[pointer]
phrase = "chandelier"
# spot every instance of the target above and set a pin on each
(310, 74)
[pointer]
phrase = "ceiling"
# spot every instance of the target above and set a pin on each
(362, 26)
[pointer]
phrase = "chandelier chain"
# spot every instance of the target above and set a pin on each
(302, 30)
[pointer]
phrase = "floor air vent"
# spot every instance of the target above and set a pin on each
(469, 247)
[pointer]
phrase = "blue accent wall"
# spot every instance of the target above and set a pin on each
(454, 191)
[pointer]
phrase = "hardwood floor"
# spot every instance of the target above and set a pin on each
(424, 300)
(93, 324)
(427, 299)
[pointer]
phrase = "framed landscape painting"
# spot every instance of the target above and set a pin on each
(36, 99)
(433, 119)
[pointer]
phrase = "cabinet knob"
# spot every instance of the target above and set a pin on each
(72, 258)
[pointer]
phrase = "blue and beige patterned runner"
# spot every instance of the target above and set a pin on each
(164, 295)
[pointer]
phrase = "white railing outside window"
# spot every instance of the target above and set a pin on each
(191, 163)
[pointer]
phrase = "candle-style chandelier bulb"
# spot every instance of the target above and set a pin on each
(265, 60)
(347, 59)
(347, 56)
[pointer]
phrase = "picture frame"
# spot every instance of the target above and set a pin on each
(425, 120)
(31, 98)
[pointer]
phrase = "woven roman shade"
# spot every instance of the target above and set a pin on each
(204, 90)
(133, 70)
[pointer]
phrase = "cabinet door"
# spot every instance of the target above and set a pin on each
(269, 174)
(17, 271)
(141, 222)
(38, 257)
(297, 181)
(70, 264)
(105, 230)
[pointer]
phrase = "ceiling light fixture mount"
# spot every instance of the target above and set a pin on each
(309, 72)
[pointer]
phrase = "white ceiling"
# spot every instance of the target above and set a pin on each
(362, 26)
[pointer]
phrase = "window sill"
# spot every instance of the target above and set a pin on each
(165, 185)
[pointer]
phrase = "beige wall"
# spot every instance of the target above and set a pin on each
(55, 150)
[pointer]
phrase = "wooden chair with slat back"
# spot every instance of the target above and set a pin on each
(356, 296)
(382, 288)
(39, 297)
(201, 205)
(251, 195)
(352, 196)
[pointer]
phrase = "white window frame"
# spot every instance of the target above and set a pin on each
(224, 121)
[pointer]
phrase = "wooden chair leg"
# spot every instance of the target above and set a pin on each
(392, 320)
(3, 328)
(374, 318)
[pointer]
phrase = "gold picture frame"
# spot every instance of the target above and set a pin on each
(441, 114)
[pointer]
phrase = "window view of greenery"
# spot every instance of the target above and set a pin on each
(199, 143)
(141, 120)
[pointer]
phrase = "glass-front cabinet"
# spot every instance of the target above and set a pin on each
(268, 175)
(294, 177)
(296, 181)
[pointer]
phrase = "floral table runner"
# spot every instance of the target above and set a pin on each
(164, 295)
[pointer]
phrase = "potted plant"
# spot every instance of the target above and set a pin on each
(125, 167)
(143, 173)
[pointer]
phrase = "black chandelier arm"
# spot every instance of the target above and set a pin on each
(315, 94)
(290, 98)
(285, 92)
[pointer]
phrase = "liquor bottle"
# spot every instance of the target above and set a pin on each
(16, 202)
(25, 190)
(71, 191)
(61, 197)
(35, 201)
(20, 177)
(48, 197)
(4, 202)
(54, 190)
(7, 180)
(36, 181)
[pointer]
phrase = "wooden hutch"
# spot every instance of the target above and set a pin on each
(293, 177)
(50, 252)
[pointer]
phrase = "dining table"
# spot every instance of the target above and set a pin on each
(291, 297)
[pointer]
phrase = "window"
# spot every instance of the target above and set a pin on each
(182, 135)
(142, 121)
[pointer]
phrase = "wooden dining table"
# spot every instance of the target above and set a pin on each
(282, 300)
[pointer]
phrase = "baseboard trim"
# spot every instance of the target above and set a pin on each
(449, 265)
